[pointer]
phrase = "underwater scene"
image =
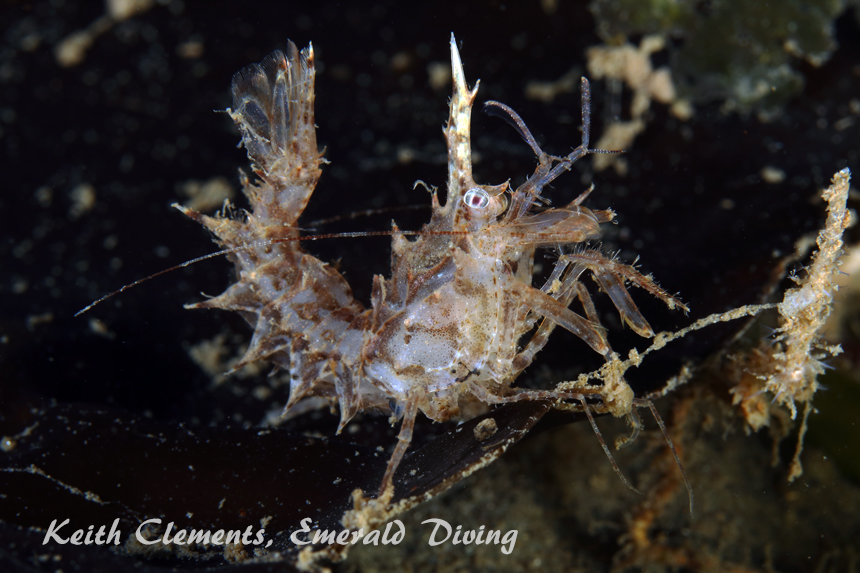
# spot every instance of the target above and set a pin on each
(450, 286)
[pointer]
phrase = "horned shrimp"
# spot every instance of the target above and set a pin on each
(459, 319)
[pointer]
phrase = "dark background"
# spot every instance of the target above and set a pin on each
(135, 120)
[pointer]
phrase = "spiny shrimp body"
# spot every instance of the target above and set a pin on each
(459, 319)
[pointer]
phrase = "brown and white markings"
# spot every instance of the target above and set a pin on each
(459, 318)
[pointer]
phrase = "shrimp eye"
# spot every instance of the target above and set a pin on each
(476, 198)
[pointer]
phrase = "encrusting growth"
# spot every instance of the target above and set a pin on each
(804, 309)
(788, 368)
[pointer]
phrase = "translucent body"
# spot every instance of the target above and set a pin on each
(459, 319)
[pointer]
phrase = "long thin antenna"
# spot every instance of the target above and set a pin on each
(159, 273)
(366, 213)
(347, 235)
(238, 249)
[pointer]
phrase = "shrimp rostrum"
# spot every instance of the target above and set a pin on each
(459, 319)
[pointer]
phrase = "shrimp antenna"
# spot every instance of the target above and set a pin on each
(499, 109)
(565, 163)
(165, 271)
(257, 244)
(585, 90)
(252, 245)
(366, 213)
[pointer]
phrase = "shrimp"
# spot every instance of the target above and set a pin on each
(458, 320)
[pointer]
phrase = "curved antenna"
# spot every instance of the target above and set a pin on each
(581, 151)
(503, 111)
